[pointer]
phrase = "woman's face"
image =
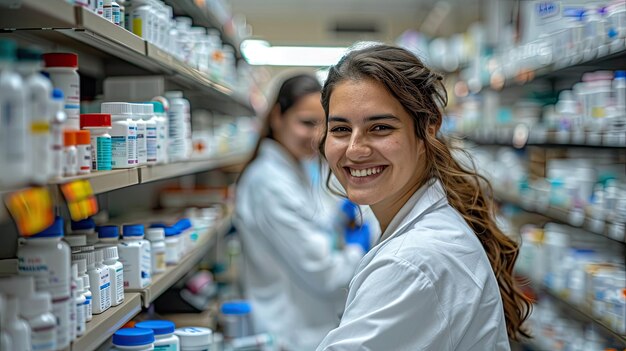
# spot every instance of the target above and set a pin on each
(371, 145)
(299, 128)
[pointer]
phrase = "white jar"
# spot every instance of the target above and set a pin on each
(99, 282)
(105, 277)
(75, 242)
(162, 131)
(39, 90)
(172, 246)
(86, 227)
(108, 235)
(73, 294)
(82, 275)
(99, 125)
(17, 328)
(83, 146)
(142, 18)
(62, 68)
(135, 255)
(142, 146)
(21, 288)
(151, 133)
(133, 339)
(6, 343)
(79, 300)
(46, 257)
(57, 120)
(165, 340)
(123, 134)
(195, 338)
(43, 325)
(116, 271)
(156, 236)
(70, 154)
(179, 126)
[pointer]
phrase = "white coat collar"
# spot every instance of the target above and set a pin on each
(431, 195)
(275, 152)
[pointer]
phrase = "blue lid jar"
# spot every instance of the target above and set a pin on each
(132, 230)
(133, 337)
(184, 224)
(158, 327)
(56, 230)
(108, 231)
(84, 224)
(236, 307)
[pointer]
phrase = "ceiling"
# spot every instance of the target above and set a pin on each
(341, 22)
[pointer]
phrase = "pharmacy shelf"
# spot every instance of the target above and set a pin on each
(600, 228)
(82, 30)
(203, 17)
(160, 172)
(103, 325)
(162, 282)
(102, 182)
(585, 315)
(504, 137)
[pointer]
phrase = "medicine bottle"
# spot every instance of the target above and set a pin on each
(17, 328)
(135, 255)
(56, 134)
(62, 68)
(79, 300)
(162, 131)
(156, 236)
(46, 257)
(83, 146)
(82, 274)
(6, 343)
(106, 276)
(22, 288)
(179, 126)
(195, 338)
(37, 311)
(151, 133)
(236, 319)
(165, 340)
(75, 242)
(108, 235)
(70, 153)
(123, 134)
(86, 227)
(99, 125)
(73, 294)
(99, 282)
(133, 339)
(172, 246)
(116, 271)
(142, 146)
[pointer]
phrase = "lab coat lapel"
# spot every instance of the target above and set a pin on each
(279, 157)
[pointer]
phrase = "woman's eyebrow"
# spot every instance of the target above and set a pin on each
(337, 119)
(368, 119)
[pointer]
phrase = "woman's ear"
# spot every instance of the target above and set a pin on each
(433, 128)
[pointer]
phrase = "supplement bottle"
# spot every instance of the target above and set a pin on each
(106, 277)
(38, 112)
(179, 123)
(17, 328)
(99, 283)
(116, 271)
(99, 125)
(123, 134)
(57, 122)
(236, 319)
(70, 153)
(108, 235)
(142, 146)
(62, 70)
(82, 274)
(6, 343)
(107, 10)
(172, 246)
(151, 133)
(86, 227)
(194, 338)
(13, 145)
(133, 339)
(46, 257)
(75, 242)
(83, 146)
(135, 255)
(37, 311)
(156, 236)
(81, 306)
(116, 13)
(165, 340)
(162, 131)
(22, 288)
(73, 309)
(141, 18)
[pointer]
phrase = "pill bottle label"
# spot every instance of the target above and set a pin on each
(108, 13)
(151, 143)
(119, 151)
(132, 145)
(116, 16)
(43, 338)
(88, 310)
(84, 158)
(105, 290)
(81, 318)
(160, 260)
(61, 310)
(101, 154)
(119, 281)
(46, 278)
(168, 347)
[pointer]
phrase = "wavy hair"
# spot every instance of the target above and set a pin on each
(423, 95)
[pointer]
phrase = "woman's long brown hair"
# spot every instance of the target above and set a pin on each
(423, 95)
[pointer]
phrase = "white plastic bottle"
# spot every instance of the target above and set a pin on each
(37, 311)
(135, 255)
(116, 10)
(172, 246)
(70, 153)
(179, 126)
(105, 277)
(83, 147)
(46, 257)
(99, 282)
(142, 147)
(79, 301)
(116, 271)
(82, 274)
(57, 121)
(6, 343)
(62, 68)
(73, 309)
(195, 338)
(107, 10)
(156, 236)
(165, 340)
(17, 328)
(619, 86)
(39, 91)
(86, 227)
(21, 288)
(162, 131)
(13, 145)
(99, 126)
(133, 339)
(142, 17)
(123, 135)
(151, 133)
(108, 235)
(75, 242)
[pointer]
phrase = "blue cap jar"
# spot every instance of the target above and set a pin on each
(158, 327)
(133, 337)
(56, 230)
(133, 230)
(108, 232)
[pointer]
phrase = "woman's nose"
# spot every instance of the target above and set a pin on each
(358, 148)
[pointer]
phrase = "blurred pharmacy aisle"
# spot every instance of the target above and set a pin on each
(124, 124)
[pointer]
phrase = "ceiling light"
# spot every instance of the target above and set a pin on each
(261, 53)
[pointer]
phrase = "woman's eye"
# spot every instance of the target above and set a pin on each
(339, 130)
(382, 128)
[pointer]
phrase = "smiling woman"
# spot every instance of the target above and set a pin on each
(440, 277)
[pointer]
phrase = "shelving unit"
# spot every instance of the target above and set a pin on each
(79, 28)
(103, 325)
(503, 137)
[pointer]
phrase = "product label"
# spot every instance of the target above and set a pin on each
(119, 151)
(13, 132)
(116, 16)
(107, 13)
(44, 338)
(151, 143)
(70, 164)
(105, 289)
(80, 318)
(61, 310)
(101, 154)
(159, 258)
(88, 310)
(138, 26)
(146, 264)
(167, 347)
(119, 281)
(84, 157)
(132, 145)
(48, 274)
(547, 9)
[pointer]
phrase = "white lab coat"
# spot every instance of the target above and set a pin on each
(427, 285)
(294, 281)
